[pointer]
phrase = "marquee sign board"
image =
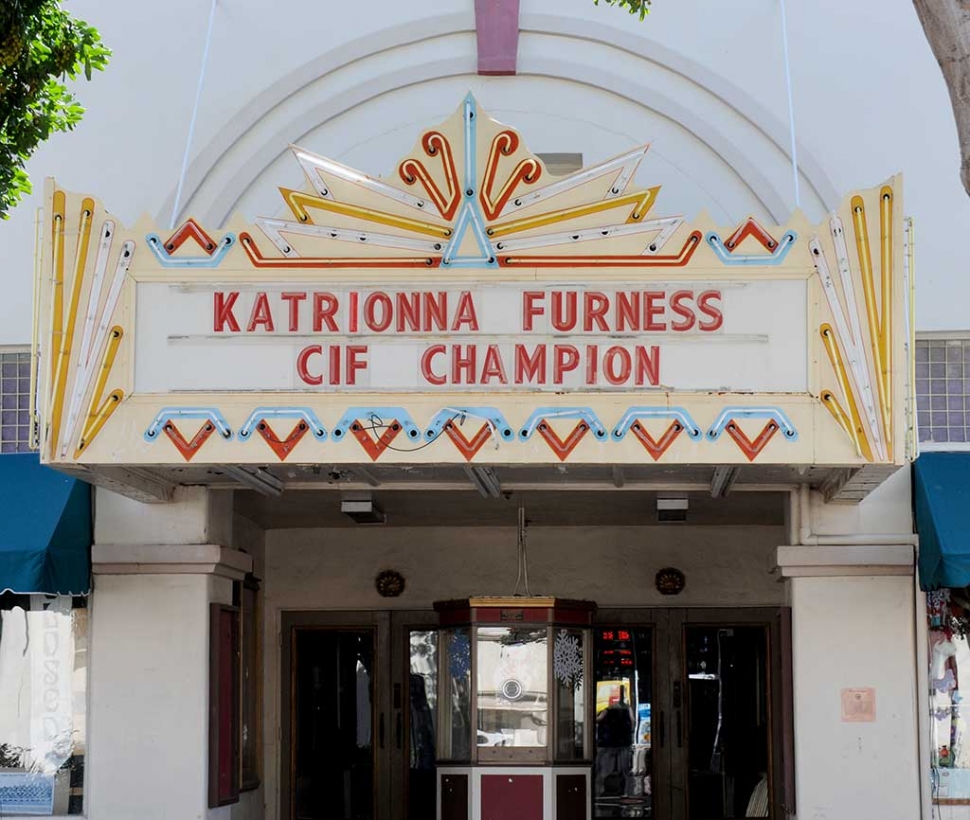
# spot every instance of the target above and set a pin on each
(475, 308)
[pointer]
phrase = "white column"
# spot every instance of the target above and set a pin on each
(149, 674)
(853, 628)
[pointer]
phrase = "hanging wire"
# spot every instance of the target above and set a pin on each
(195, 114)
(523, 555)
(791, 105)
(377, 423)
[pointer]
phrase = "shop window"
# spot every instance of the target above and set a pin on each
(43, 692)
(455, 731)
(943, 390)
(250, 728)
(15, 420)
(948, 613)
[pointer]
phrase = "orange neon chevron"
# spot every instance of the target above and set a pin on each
(751, 228)
(468, 447)
(190, 230)
(657, 448)
(188, 449)
(375, 448)
(562, 447)
(282, 447)
(751, 448)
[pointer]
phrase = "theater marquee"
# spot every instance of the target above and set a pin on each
(474, 308)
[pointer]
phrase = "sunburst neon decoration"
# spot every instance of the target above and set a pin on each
(445, 212)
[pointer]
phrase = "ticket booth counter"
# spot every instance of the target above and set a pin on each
(514, 712)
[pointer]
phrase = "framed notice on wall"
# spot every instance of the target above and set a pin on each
(224, 762)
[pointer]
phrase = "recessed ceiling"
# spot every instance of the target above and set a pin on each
(466, 508)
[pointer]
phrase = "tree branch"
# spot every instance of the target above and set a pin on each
(946, 24)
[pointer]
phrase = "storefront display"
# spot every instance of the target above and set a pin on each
(948, 615)
(43, 683)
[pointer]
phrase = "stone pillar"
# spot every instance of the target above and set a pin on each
(156, 570)
(854, 639)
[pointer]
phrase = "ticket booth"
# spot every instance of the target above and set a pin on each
(514, 715)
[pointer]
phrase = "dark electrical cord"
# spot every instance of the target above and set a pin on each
(377, 423)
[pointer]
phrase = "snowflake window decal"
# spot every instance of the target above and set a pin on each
(460, 655)
(567, 663)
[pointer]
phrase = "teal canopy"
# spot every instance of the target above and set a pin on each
(45, 529)
(941, 498)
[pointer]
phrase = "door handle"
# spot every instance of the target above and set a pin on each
(380, 730)
(399, 730)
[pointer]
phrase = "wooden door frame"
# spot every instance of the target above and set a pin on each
(778, 671)
(391, 665)
(364, 620)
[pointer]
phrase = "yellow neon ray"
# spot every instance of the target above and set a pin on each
(869, 290)
(57, 305)
(833, 406)
(299, 201)
(67, 337)
(97, 407)
(886, 288)
(98, 419)
(856, 430)
(641, 202)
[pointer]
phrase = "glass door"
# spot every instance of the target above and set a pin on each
(630, 728)
(735, 759)
(358, 734)
(414, 696)
(334, 730)
(690, 714)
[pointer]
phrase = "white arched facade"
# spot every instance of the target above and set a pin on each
(706, 88)
(579, 88)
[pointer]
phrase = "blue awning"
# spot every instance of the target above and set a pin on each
(941, 497)
(45, 529)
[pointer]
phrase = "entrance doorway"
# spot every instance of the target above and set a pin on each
(690, 714)
(689, 709)
(358, 732)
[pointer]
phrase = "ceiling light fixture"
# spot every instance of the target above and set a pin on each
(362, 511)
(722, 480)
(256, 478)
(671, 509)
(485, 481)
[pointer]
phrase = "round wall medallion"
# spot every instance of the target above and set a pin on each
(670, 581)
(389, 583)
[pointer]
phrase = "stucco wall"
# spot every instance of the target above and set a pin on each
(855, 633)
(148, 726)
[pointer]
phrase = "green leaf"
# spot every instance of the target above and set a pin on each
(39, 43)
